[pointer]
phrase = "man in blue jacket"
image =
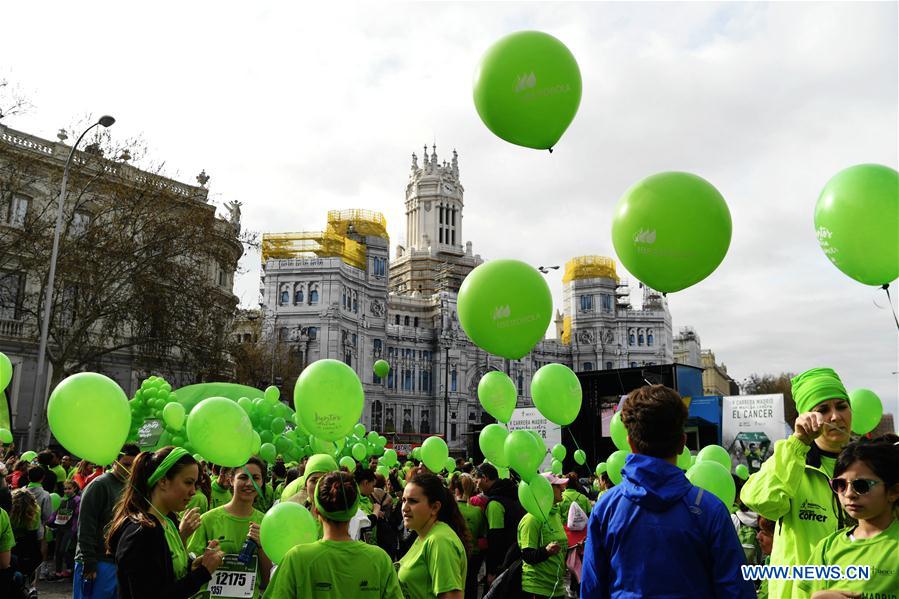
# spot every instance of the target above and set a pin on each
(655, 534)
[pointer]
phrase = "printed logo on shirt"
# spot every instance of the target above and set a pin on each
(323, 586)
(365, 588)
(812, 511)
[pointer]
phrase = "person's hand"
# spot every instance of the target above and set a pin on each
(254, 533)
(808, 427)
(89, 573)
(835, 594)
(212, 557)
(553, 548)
(190, 522)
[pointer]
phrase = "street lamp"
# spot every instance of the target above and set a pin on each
(38, 401)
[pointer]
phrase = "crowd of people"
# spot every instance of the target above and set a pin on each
(160, 524)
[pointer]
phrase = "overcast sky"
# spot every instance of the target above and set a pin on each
(303, 107)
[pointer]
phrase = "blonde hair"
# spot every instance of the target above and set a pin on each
(466, 483)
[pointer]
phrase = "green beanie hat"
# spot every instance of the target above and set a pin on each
(815, 386)
(320, 462)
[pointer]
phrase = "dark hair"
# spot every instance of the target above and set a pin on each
(292, 475)
(654, 417)
(488, 471)
(45, 458)
(575, 483)
(449, 510)
(767, 525)
(279, 469)
(130, 449)
(256, 462)
(35, 474)
(881, 455)
(337, 492)
(364, 474)
(134, 503)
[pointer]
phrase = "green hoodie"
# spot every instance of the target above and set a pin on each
(792, 489)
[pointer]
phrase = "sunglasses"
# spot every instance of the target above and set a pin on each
(860, 485)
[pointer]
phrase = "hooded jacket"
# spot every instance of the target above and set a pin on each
(656, 535)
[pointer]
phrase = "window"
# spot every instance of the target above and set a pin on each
(18, 210)
(80, 222)
(520, 384)
(631, 340)
(640, 337)
(348, 358)
(376, 410)
(10, 294)
(313, 295)
(453, 431)
(397, 319)
(378, 346)
(345, 305)
(407, 380)
(415, 322)
(406, 321)
(609, 366)
(355, 303)
(649, 339)
(312, 333)
(454, 237)
(440, 212)
(633, 364)
(586, 303)
(588, 366)
(285, 297)
(441, 234)
(355, 339)
(298, 296)
(606, 302)
(391, 380)
(380, 266)
(454, 381)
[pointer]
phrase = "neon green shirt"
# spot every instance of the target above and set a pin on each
(570, 496)
(264, 502)
(335, 569)
(434, 564)
(220, 495)
(7, 538)
(496, 515)
(547, 577)
(476, 522)
(60, 473)
(798, 495)
(229, 530)
(880, 552)
(198, 501)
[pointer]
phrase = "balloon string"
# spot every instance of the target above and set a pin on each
(572, 437)
(886, 288)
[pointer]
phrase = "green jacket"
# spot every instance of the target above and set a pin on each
(792, 489)
(570, 496)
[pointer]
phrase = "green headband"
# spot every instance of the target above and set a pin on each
(815, 386)
(166, 465)
(341, 516)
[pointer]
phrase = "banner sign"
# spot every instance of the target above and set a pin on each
(750, 424)
(532, 419)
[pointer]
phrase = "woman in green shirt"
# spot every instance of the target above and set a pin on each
(435, 566)
(230, 525)
(336, 566)
(573, 493)
(543, 547)
(463, 486)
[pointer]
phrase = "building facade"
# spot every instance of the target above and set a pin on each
(336, 294)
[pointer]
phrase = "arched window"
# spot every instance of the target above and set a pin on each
(520, 384)
(640, 337)
(345, 305)
(608, 366)
(397, 319)
(631, 340)
(376, 409)
(406, 321)
(633, 364)
(312, 333)
(588, 366)
(454, 380)
(298, 296)
(285, 296)
(355, 302)
(313, 294)
(649, 339)
(415, 322)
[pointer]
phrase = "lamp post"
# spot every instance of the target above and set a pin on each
(38, 404)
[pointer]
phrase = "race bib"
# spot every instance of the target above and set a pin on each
(233, 579)
(62, 517)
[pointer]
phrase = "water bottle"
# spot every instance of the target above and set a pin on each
(247, 551)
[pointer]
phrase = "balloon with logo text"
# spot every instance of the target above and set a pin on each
(525, 453)
(714, 478)
(527, 89)
(557, 393)
(492, 440)
(497, 395)
(671, 230)
(614, 464)
(857, 223)
(328, 397)
(536, 496)
(867, 410)
(504, 307)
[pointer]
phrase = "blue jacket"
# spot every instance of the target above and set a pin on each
(656, 535)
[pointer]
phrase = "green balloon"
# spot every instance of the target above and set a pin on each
(89, 416)
(692, 460)
(220, 431)
(5, 371)
(173, 415)
(857, 223)
(382, 441)
(268, 452)
(416, 453)
(559, 452)
(434, 453)
(348, 463)
(492, 441)
(580, 457)
(503, 472)
(359, 451)
(272, 394)
(450, 465)
(714, 453)
(247, 404)
(5, 435)
(55, 500)
(600, 469)
(382, 470)
(278, 425)
(742, 471)
(329, 399)
(527, 89)
(867, 410)
(267, 436)
(191, 395)
(372, 436)
(525, 453)
(614, 464)
(497, 394)
(284, 526)
(619, 433)
(390, 458)
(714, 478)
(683, 460)
(323, 446)
(504, 307)
(557, 393)
(29, 455)
(359, 430)
(536, 497)
(256, 443)
(556, 467)
(382, 368)
(671, 230)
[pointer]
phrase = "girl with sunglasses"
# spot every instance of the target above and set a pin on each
(866, 479)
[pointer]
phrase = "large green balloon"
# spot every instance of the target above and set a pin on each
(671, 230)
(619, 433)
(5, 435)
(527, 89)
(329, 398)
(867, 410)
(504, 307)
(382, 368)
(614, 464)
(284, 526)
(434, 453)
(857, 223)
(559, 452)
(536, 497)
(492, 441)
(714, 453)
(557, 393)
(89, 415)
(5, 371)
(191, 395)
(683, 460)
(714, 478)
(525, 453)
(220, 431)
(173, 415)
(29, 455)
(497, 394)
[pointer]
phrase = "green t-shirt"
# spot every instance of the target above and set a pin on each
(7, 538)
(220, 495)
(496, 515)
(547, 577)
(570, 496)
(434, 564)
(264, 502)
(369, 534)
(335, 569)
(229, 530)
(198, 501)
(60, 473)
(880, 552)
(476, 522)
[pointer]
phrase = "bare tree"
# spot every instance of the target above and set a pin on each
(761, 384)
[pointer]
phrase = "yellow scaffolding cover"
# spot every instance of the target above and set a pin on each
(566, 330)
(589, 267)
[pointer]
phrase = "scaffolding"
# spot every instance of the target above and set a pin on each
(333, 242)
(566, 330)
(589, 267)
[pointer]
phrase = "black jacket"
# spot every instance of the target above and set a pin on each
(500, 540)
(144, 565)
